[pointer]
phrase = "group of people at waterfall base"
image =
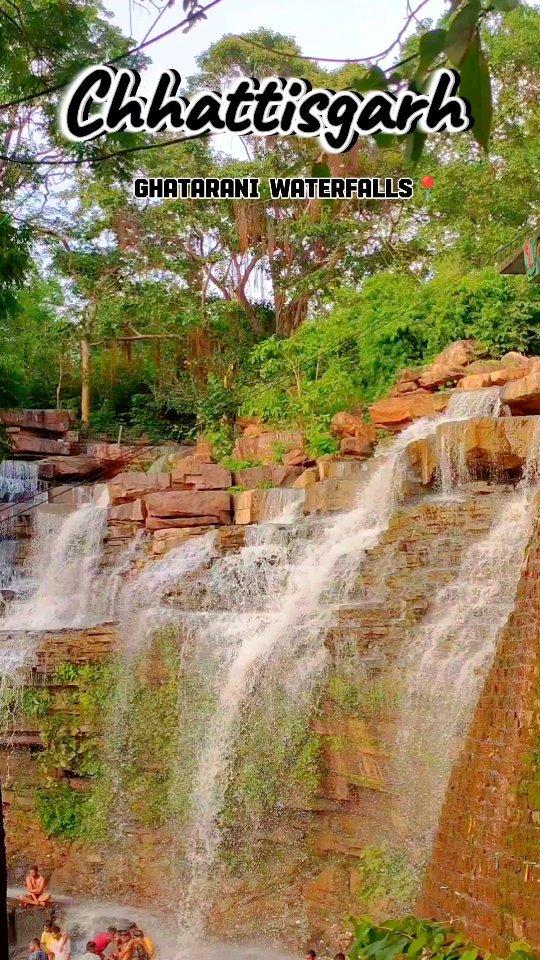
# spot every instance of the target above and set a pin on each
(54, 944)
(110, 944)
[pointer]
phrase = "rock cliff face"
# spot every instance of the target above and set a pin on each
(338, 839)
(485, 871)
(321, 848)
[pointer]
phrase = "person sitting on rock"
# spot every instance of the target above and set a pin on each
(60, 944)
(47, 936)
(103, 939)
(35, 950)
(111, 951)
(38, 895)
(90, 952)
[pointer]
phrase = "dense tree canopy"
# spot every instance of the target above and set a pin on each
(185, 313)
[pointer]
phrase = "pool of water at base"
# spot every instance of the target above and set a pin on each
(84, 918)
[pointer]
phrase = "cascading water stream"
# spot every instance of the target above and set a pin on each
(63, 583)
(240, 618)
(449, 657)
(288, 632)
(19, 482)
(463, 405)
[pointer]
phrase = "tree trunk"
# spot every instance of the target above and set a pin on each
(85, 380)
(290, 316)
(4, 949)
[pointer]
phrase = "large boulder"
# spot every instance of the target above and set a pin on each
(184, 508)
(50, 421)
(191, 473)
(357, 437)
(458, 354)
(266, 446)
(395, 413)
(69, 468)
(272, 474)
(346, 424)
(134, 484)
(440, 376)
(523, 395)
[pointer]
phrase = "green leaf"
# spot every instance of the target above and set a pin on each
(417, 945)
(475, 86)
(461, 31)
(470, 954)
(373, 79)
(415, 145)
(504, 5)
(320, 170)
(431, 45)
(393, 949)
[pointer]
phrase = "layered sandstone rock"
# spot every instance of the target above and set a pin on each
(164, 540)
(69, 468)
(187, 508)
(483, 446)
(357, 438)
(131, 485)
(273, 474)
(259, 506)
(33, 433)
(51, 421)
(522, 396)
(396, 413)
(262, 444)
(24, 442)
(194, 474)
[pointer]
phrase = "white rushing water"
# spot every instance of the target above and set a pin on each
(62, 583)
(241, 617)
(284, 627)
(449, 656)
(463, 405)
(19, 482)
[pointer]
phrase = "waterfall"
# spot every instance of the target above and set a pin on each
(463, 405)
(282, 505)
(283, 602)
(20, 490)
(63, 587)
(19, 481)
(449, 657)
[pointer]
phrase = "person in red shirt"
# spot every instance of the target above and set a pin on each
(103, 939)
